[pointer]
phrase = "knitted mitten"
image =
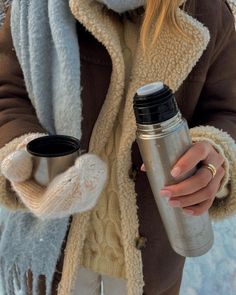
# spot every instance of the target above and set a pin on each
(76, 190)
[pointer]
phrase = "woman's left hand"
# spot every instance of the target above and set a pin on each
(195, 194)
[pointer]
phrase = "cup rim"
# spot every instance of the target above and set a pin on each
(70, 139)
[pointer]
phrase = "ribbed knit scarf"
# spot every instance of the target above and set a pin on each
(46, 43)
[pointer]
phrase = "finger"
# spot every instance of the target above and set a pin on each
(199, 180)
(190, 185)
(143, 168)
(199, 209)
(214, 158)
(197, 153)
(196, 200)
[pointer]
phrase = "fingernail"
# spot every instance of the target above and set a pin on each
(174, 203)
(143, 168)
(175, 172)
(188, 212)
(165, 193)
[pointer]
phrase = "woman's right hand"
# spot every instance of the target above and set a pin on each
(74, 191)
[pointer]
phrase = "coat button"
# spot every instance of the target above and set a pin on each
(133, 172)
(140, 243)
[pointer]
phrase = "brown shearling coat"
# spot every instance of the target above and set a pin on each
(206, 97)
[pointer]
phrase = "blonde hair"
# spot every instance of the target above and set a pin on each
(160, 11)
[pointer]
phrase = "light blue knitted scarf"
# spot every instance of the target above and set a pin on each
(46, 43)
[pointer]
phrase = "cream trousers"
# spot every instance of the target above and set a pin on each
(91, 283)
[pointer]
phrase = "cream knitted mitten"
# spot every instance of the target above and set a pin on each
(76, 190)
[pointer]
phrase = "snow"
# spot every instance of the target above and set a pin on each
(215, 272)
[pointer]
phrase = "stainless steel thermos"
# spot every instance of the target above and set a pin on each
(163, 137)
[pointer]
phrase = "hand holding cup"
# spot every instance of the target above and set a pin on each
(75, 190)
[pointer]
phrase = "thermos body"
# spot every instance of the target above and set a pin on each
(188, 235)
(161, 144)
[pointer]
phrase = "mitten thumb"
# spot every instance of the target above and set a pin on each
(17, 167)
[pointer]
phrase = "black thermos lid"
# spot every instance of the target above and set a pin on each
(154, 103)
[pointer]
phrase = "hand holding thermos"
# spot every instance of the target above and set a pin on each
(170, 161)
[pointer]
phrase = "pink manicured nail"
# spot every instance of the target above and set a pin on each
(143, 168)
(175, 172)
(188, 212)
(174, 203)
(165, 193)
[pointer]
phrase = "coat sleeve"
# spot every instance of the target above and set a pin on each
(215, 115)
(217, 103)
(17, 115)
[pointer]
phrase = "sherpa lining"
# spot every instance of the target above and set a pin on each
(225, 206)
(144, 71)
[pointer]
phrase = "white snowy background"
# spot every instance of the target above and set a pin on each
(215, 272)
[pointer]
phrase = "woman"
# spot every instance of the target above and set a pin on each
(49, 83)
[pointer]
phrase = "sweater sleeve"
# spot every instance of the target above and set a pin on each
(17, 115)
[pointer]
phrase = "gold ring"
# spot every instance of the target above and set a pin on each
(211, 168)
